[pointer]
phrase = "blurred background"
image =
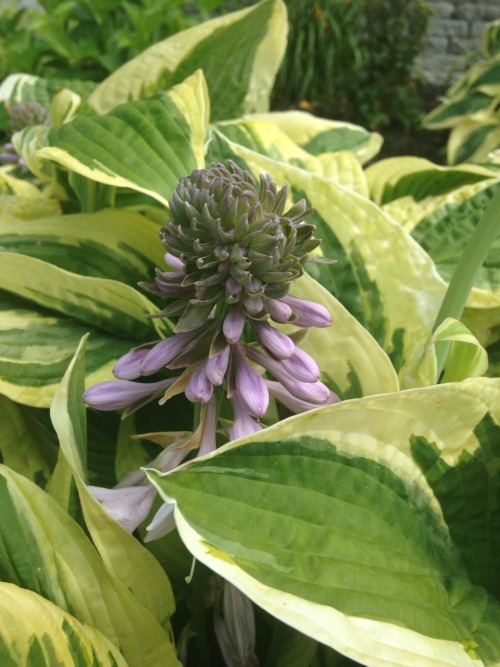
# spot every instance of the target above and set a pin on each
(379, 63)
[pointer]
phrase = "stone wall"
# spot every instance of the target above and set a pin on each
(454, 32)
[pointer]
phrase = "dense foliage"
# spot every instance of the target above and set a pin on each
(471, 107)
(363, 530)
(355, 59)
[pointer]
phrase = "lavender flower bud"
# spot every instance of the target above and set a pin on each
(235, 628)
(312, 392)
(164, 352)
(244, 424)
(278, 343)
(117, 394)
(294, 404)
(128, 367)
(309, 314)
(301, 366)
(199, 388)
(129, 505)
(233, 325)
(278, 310)
(250, 386)
(217, 366)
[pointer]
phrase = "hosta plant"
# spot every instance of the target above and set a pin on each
(471, 107)
(268, 472)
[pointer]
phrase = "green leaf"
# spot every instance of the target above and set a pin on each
(115, 244)
(327, 521)
(444, 231)
(239, 53)
(124, 557)
(22, 200)
(351, 361)
(320, 135)
(473, 139)
(37, 633)
(146, 145)
(262, 134)
(382, 276)
(36, 347)
(24, 445)
(466, 358)
(20, 87)
(108, 304)
(397, 177)
(44, 550)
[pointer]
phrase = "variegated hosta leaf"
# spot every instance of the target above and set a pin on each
(34, 631)
(382, 276)
(397, 177)
(98, 302)
(351, 361)
(45, 551)
(466, 357)
(261, 134)
(25, 446)
(451, 112)
(490, 39)
(474, 138)
(20, 87)
(37, 345)
(239, 53)
(443, 226)
(124, 556)
(353, 523)
(146, 145)
(114, 244)
(22, 200)
(320, 135)
(445, 230)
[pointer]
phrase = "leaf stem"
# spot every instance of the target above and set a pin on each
(465, 273)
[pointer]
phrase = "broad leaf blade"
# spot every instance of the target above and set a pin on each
(115, 244)
(44, 550)
(98, 302)
(34, 631)
(162, 138)
(327, 521)
(125, 558)
(466, 358)
(24, 446)
(37, 345)
(239, 53)
(351, 361)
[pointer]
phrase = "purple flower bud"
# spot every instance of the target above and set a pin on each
(309, 314)
(278, 343)
(294, 404)
(250, 386)
(235, 628)
(199, 388)
(217, 366)
(129, 505)
(128, 367)
(243, 424)
(176, 263)
(278, 310)
(302, 366)
(117, 394)
(234, 323)
(253, 305)
(162, 523)
(313, 392)
(164, 352)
